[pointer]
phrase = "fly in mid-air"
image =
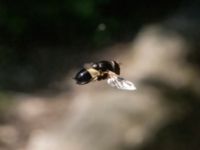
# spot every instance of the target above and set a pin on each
(104, 70)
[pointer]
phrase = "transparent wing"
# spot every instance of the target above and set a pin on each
(121, 83)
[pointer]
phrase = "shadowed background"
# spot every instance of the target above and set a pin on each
(43, 44)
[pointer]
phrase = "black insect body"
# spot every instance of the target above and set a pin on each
(104, 70)
(83, 77)
(104, 66)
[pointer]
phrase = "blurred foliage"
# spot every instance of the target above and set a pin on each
(29, 27)
(67, 20)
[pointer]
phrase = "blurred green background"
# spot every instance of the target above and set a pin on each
(39, 40)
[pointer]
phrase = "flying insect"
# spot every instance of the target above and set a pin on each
(104, 70)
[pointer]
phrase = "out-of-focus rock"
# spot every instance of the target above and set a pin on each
(103, 118)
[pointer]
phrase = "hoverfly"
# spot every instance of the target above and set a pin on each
(104, 70)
